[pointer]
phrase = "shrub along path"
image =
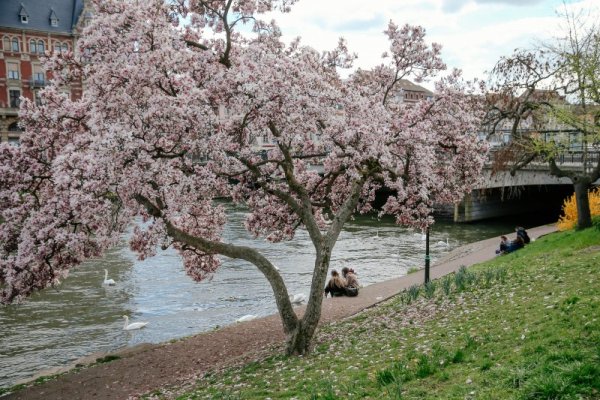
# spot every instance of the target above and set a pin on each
(145, 368)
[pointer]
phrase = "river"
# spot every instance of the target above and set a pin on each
(81, 316)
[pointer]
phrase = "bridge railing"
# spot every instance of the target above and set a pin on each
(578, 157)
(569, 158)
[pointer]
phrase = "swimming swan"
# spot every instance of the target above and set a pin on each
(442, 243)
(109, 282)
(133, 325)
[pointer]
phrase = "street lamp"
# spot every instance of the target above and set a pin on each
(427, 259)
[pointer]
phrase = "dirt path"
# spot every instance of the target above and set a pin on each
(145, 368)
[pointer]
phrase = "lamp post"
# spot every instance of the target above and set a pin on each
(427, 255)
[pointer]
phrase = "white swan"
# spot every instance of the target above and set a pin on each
(245, 318)
(109, 282)
(298, 298)
(133, 325)
(442, 243)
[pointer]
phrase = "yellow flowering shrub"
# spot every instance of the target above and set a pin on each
(569, 218)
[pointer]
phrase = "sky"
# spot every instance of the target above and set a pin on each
(474, 34)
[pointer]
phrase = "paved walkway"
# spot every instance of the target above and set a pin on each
(147, 367)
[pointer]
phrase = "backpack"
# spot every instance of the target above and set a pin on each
(351, 291)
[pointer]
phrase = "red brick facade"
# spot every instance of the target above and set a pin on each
(22, 73)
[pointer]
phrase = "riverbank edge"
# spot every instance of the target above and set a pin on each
(81, 373)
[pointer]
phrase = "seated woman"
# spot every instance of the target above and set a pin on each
(351, 281)
(336, 285)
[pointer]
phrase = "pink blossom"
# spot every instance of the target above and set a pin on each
(159, 96)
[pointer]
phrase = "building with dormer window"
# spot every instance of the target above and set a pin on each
(29, 30)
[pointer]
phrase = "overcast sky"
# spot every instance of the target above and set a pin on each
(473, 33)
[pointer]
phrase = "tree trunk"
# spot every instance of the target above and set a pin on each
(300, 339)
(584, 215)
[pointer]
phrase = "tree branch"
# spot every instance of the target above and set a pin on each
(253, 256)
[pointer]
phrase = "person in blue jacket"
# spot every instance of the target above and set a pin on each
(516, 244)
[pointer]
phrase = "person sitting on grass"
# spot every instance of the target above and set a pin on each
(336, 285)
(522, 233)
(516, 244)
(503, 245)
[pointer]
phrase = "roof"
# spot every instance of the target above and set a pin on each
(38, 13)
(405, 84)
(402, 84)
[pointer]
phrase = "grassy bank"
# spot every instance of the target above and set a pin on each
(522, 326)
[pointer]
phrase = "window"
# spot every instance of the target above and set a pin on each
(53, 18)
(14, 127)
(32, 46)
(87, 55)
(6, 43)
(23, 14)
(58, 47)
(41, 48)
(39, 77)
(13, 141)
(13, 70)
(14, 98)
(64, 48)
(15, 45)
(37, 97)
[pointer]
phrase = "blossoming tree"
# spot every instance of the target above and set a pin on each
(167, 83)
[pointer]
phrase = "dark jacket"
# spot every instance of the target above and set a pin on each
(335, 287)
(522, 233)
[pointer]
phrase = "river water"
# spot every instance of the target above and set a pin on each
(80, 317)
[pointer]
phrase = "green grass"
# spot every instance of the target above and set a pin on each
(522, 326)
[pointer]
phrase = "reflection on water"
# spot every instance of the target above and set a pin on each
(81, 317)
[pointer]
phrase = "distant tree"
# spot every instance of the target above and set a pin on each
(549, 98)
(165, 84)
